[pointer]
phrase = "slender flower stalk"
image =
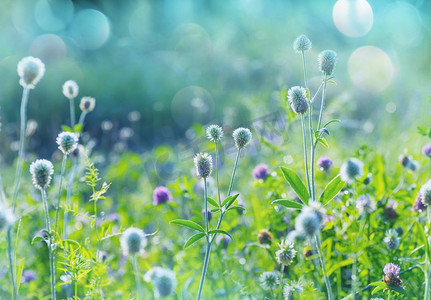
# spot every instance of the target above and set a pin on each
(72, 112)
(208, 246)
(427, 261)
(135, 263)
(322, 263)
(57, 207)
(50, 244)
(322, 103)
(304, 139)
(11, 264)
(69, 195)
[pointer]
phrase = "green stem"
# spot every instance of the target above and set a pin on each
(72, 112)
(206, 205)
(23, 115)
(57, 208)
(305, 70)
(427, 260)
(69, 196)
(322, 263)
(50, 244)
(218, 185)
(82, 118)
(305, 154)
(205, 267)
(11, 264)
(137, 276)
(322, 104)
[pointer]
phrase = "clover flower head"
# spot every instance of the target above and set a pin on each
(260, 172)
(352, 170)
(242, 137)
(269, 280)
(28, 275)
(161, 195)
(392, 272)
(364, 204)
(70, 89)
(308, 222)
(30, 70)
(264, 236)
(425, 193)
(133, 241)
(163, 280)
(286, 253)
(392, 240)
(418, 205)
(41, 171)
(87, 104)
(67, 142)
(214, 133)
(302, 43)
(327, 60)
(210, 214)
(404, 160)
(204, 164)
(413, 165)
(426, 150)
(293, 287)
(324, 163)
(297, 97)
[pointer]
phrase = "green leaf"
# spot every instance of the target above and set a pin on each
(19, 273)
(37, 239)
(331, 190)
(422, 130)
(77, 128)
(221, 232)
(189, 224)
(212, 202)
(323, 141)
(296, 183)
(229, 200)
(193, 239)
(66, 128)
(288, 203)
(236, 207)
(339, 265)
(377, 289)
(330, 122)
(397, 289)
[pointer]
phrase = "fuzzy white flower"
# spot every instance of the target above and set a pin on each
(133, 241)
(87, 104)
(70, 89)
(30, 70)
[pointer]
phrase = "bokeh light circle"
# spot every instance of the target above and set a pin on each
(190, 105)
(353, 18)
(90, 29)
(371, 69)
(48, 47)
(53, 15)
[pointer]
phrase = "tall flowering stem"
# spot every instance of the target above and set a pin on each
(69, 196)
(427, 260)
(50, 244)
(322, 263)
(208, 245)
(137, 276)
(304, 139)
(57, 208)
(218, 184)
(72, 112)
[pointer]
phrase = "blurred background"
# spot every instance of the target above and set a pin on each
(157, 68)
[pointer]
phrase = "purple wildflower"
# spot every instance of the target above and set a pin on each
(161, 195)
(224, 240)
(324, 163)
(418, 205)
(392, 272)
(261, 171)
(210, 214)
(426, 150)
(28, 275)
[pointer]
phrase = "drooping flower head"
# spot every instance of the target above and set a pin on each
(327, 60)
(324, 163)
(308, 222)
(163, 280)
(418, 205)
(210, 214)
(30, 70)
(67, 142)
(425, 193)
(242, 137)
(70, 89)
(87, 104)
(161, 195)
(7, 218)
(224, 240)
(297, 97)
(41, 171)
(286, 253)
(133, 241)
(261, 172)
(28, 275)
(269, 280)
(404, 160)
(204, 164)
(392, 240)
(214, 133)
(364, 204)
(293, 287)
(426, 150)
(264, 237)
(352, 170)
(302, 43)
(392, 272)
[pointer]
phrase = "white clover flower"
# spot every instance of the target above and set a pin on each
(214, 133)
(163, 280)
(7, 217)
(269, 280)
(242, 137)
(133, 241)
(392, 240)
(204, 164)
(286, 253)
(87, 104)
(30, 70)
(351, 170)
(364, 204)
(297, 97)
(67, 142)
(41, 171)
(70, 89)
(308, 222)
(327, 60)
(302, 43)
(293, 287)
(425, 193)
